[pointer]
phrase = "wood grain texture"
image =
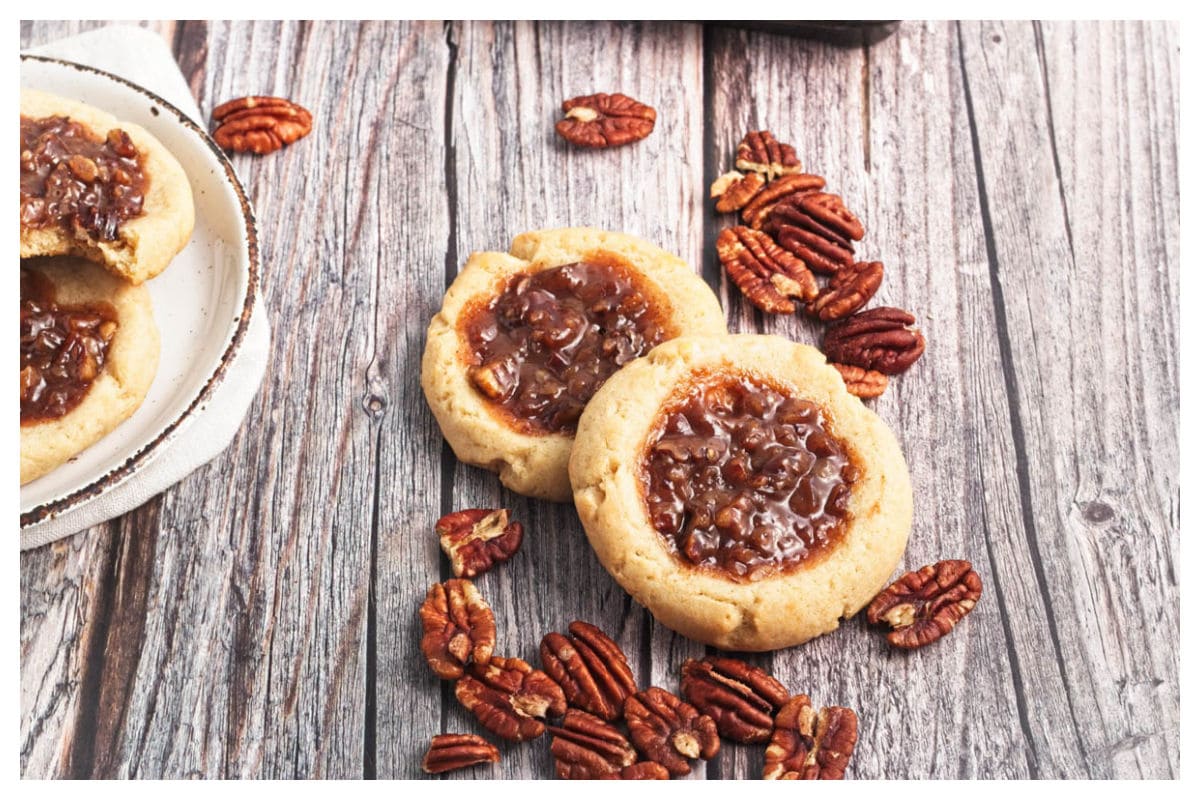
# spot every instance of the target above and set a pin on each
(1020, 183)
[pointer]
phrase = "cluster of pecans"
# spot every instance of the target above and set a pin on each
(587, 685)
(793, 229)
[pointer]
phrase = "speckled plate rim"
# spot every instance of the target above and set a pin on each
(119, 474)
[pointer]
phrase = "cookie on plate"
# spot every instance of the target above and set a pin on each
(89, 351)
(736, 489)
(524, 339)
(96, 187)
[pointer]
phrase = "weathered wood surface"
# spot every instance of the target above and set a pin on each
(1020, 182)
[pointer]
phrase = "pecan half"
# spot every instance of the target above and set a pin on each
(591, 669)
(734, 190)
(816, 227)
(923, 606)
(451, 751)
(882, 339)
(458, 628)
(864, 383)
(756, 213)
(809, 745)
(765, 273)
(760, 151)
(641, 771)
(477, 539)
(740, 697)
(259, 124)
(587, 747)
(670, 731)
(605, 120)
(850, 289)
(510, 698)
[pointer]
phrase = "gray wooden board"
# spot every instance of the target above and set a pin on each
(1020, 182)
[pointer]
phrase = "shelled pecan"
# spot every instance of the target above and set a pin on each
(734, 190)
(850, 289)
(477, 539)
(765, 273)
(810, 745)
(740, 697)
(510, 698)
(605, 120)
(923, 606)
(864, 383)
(817, 228)
(881, 339)
(259, 124)
(760, 151)
(670, 731)
(451, 751)
(591, 669)
(586, 747)
(641, 771)
(458, 628)
(756, 213)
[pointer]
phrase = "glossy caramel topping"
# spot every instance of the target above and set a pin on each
(63, 349)
(542, 348)
(741, 478)
(70, 177)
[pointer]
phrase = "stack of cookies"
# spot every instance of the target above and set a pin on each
(104, 208)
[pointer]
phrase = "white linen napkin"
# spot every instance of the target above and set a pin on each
(141, 56)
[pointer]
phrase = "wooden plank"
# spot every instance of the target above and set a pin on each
(1099, 464)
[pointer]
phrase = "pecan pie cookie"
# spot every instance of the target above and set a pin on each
(100, 188)
(89, 351)
(524, 339)
(737, 490)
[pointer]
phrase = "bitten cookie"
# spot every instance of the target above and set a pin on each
(737, 490)
(96, 187)
(524, 338)
(89, 352)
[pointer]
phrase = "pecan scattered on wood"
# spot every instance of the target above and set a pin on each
(591, 669)
(864, 383)
(923, 606)
(760, 151)
(259, 124)
(733, 190)
(510, 698)
(586, 747)
(458, 628)
(757, 212)
(670, 731)
(765, 273)
(850, 289)
(605, 120)
(477, 539)
(740, 697)
(815, 227)
(881, 339)
(451, 751)
(810, 745)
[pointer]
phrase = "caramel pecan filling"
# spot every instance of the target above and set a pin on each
(542, 348)
(63, 349)
(70, 177)
(741, 478)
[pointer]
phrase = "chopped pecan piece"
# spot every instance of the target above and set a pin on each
(510, 698)
(477, 539)
(591, 669)
(740, 697)
(807, 745)
(850, 289)
(881, 339)
(760, 151)
(734, 190)
(260, 124)
(458, 628)
(605, 120)
(451, 751)
(864, 383)
(670, 731)
(816, 227)
(756, 213)
(923, 606)
(586, 747)
(641, 771)
(766, 274)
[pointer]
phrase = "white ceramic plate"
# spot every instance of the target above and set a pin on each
(202, 301)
